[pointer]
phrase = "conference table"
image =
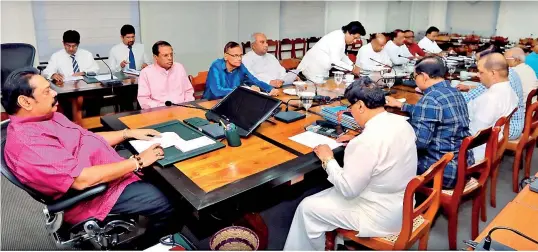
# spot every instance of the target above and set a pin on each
(519, 214)
(76, 90)
(266, 159)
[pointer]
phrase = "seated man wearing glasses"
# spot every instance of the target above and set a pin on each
(227, 73)
(412, 45)
(440, 118)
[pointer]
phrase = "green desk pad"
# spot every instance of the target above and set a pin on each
(172, 154)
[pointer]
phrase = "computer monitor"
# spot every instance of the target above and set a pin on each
(246, 108)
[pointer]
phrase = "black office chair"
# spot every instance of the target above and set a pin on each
(114, 231)
(15, 56)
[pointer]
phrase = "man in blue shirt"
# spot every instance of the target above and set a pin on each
(228, 73)
(532, 59)
(440, 118)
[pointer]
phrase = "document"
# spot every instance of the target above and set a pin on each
(311, 139)
(131, 71)
(169, 139)
(103, 77)
(72, 78)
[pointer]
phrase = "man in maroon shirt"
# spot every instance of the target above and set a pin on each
(52, 155)
(413, 47)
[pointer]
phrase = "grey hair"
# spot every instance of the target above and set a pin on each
(518, 53)
(253, 37)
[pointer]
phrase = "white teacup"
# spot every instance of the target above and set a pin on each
(464, 75)
(349, 77)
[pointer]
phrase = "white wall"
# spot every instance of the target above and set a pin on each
(18, 24)
(518, 19)
(199, 30)
(485, 14)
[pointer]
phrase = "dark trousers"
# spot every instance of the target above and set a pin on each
(143, 198)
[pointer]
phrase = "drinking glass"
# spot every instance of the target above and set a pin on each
(451, 70)
(338, 77)
(468, 63)
(306, 99)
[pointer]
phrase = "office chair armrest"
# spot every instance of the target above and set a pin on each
(73, 197)
(41, 68)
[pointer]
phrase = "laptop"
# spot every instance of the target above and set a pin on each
(245, 108)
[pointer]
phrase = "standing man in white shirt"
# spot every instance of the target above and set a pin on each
(70, 61)
(368, 192)
(428, 43)
(67, 63)
(128, 54)
(331, 49)
(498, 101)
(515, 58)
(372, 57)
(263, 65)
(397, 50)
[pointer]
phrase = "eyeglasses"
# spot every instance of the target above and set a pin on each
(237, 56)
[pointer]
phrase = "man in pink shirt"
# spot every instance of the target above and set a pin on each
(53, 155)
(164, 80)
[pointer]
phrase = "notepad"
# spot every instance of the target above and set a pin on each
(131, 71)
(169, 139)
(103, 77)
(311, 139)
(72, 78)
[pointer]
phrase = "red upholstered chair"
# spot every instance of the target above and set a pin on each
(273, 47)
(416, 222)
(286, 46)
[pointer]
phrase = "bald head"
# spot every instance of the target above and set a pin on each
(258, 43)
(379, 42)
(514, 56)
(493, 69)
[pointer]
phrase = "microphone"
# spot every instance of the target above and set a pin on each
(322, 99)
(169, 103)
(112, 82)
(488, 241)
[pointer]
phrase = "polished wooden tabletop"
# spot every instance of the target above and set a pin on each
(267, 156)
(517, 216)
(80, 86)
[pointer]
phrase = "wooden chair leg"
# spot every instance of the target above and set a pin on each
(330, 239)
(493, 187)
(452, 228)
(423, 243)
(515, 171)
(477, 203)
(528, 159)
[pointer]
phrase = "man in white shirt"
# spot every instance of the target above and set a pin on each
(498, 101)
(428, 43)
(263, 65)
(368, 192)
(515, 58)
(397, 50)
(128, 54)
(331, 49)
(70, 61)
(372, 57)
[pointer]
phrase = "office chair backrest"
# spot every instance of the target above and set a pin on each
(15, 56)
(7, 173)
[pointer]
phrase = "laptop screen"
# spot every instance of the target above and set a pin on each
(245, 108)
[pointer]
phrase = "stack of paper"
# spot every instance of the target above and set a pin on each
(72, 78)
(103, 77)
(311, 139)
(169, 139)
(330, 114)
(131, 71)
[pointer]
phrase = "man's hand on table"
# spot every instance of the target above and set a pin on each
(392, 102)
(276, 83)
(142, 134)
(57, 77)
(323, 152)
(356, 70)
(152, 154)
(79, 74)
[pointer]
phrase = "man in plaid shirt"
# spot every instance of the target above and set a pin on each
(518, 119)
(440, 118)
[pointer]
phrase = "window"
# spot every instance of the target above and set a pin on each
(98, 23)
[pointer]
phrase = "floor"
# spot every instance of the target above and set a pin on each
(22, 226)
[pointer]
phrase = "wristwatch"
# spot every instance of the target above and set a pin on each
(325, 161)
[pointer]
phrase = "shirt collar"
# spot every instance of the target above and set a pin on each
(162, 70)
(223, 66)
(434, 86)
(24, 119)
(499, 85)
(376, 118)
